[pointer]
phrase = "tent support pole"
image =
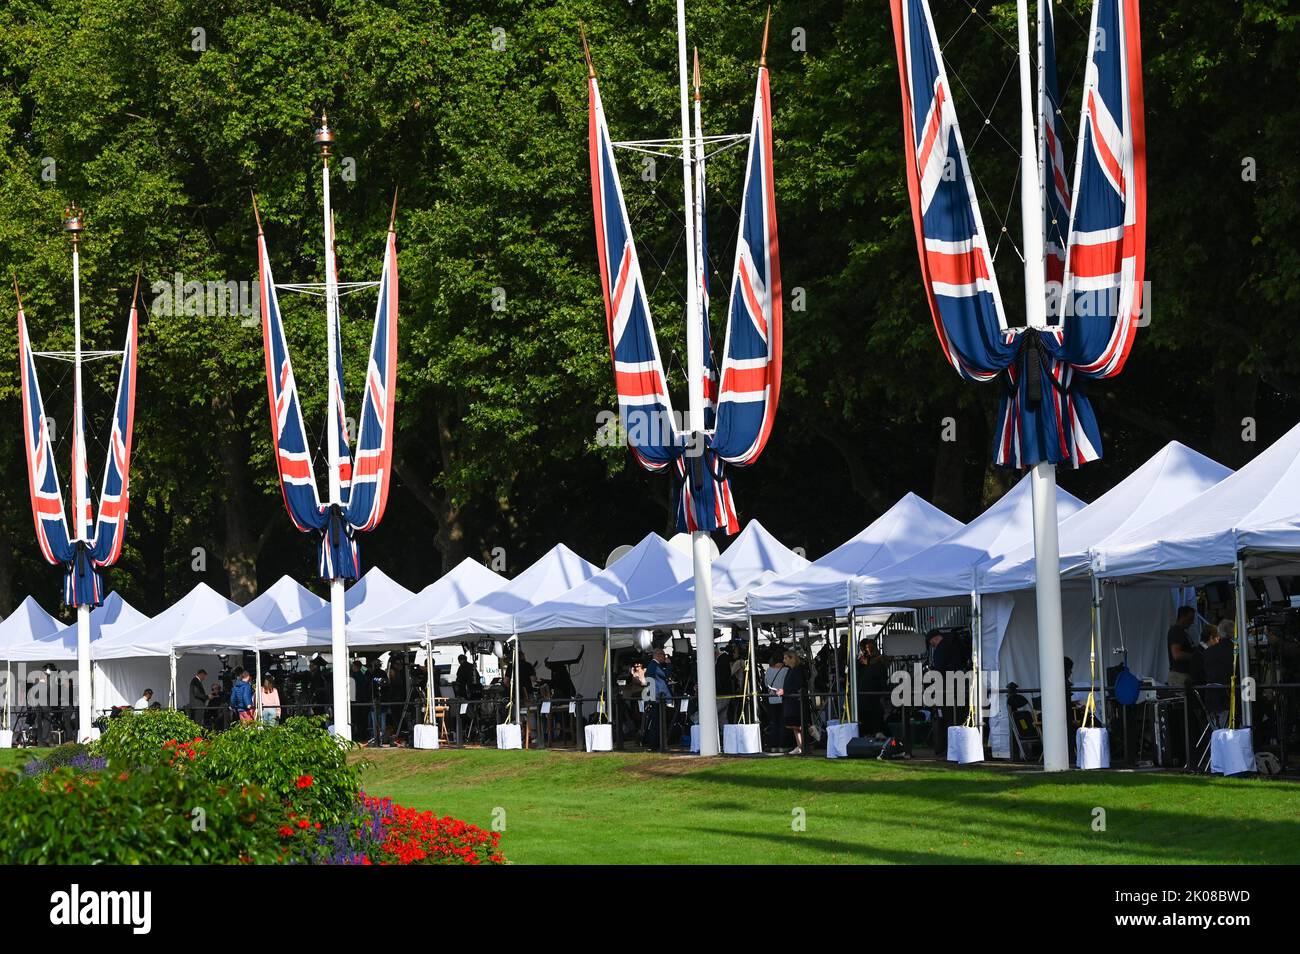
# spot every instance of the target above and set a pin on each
(171, 676)
(514, 685)
(977, 656)
(257, 690)
(1098, 651)
(609, 676)
(1243, 648)
(753, 665)
(851, 657)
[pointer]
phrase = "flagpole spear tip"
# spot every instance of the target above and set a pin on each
(17, 293)
(762, 56)
(257, 215)
(586, 51)
(392, 218)
(697, 72)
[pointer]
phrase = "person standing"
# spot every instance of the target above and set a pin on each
(1179, 646)
(723, 683)
(270, 701)
(198, 696)
(791, 693)
(241, 697)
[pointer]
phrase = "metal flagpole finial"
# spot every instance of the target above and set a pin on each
(586, 51)
(74, 223)
(697, 72)
(17, 293)
(762, 56)
(392, 218)
(324, 135)
(257, 215)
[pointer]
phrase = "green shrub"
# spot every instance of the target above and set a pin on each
(138, 738)
(147, 816)
(297, 761)
(66, 754)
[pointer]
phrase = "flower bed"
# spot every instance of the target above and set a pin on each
(256, 794)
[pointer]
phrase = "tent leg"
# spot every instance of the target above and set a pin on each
(851, 657)
(257, 690)
(171, 676)
(609, 678)
(1243, 648)
(753, 666)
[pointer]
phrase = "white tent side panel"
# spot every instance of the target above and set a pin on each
(119, 682)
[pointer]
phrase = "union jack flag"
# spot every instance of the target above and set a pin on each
(1051, 146)
(744, 406)
(1043, 415)
(82, 554)
(366, 482)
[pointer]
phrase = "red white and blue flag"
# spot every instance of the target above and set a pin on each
(1043, 414)
(742, 406)
(81, 553)
(365, 481)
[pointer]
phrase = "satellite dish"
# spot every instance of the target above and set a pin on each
(617, 554)
(682, 543)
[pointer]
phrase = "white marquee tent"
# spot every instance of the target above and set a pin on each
(129, 659)
(557, 572)
(1255, 510)
(754, 557)
(1136, 616)
(282, 604)
(28, 624)
(946, 572)
(409, 621)
(650, 567)
(113, 614)
(375, 594)
(822, 587)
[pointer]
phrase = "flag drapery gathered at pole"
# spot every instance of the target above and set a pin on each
(740, 396)
(1095, 234)
(364, 475)
(80, 552)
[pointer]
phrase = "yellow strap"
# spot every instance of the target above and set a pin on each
(604, 682)
(1090, 708)
(1232, 690)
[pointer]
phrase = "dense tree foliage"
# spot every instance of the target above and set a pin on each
(160, 116)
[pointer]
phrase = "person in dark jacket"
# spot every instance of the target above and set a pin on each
(791, 693)
(198, 696)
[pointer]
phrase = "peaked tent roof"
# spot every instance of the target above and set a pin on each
(283, 603)
(554, 574)
(946, 571)
(373, 595)
(113, 615)
(909, 526)
(27, 624)
(468, 580)
(154, 637)
(1257, 508)
(753, 557)
(1171, 478)
(650, 567)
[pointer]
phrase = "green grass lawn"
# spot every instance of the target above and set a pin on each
(622, 808)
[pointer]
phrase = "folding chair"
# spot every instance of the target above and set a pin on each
(1025, 732)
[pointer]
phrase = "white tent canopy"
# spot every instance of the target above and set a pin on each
(946, 572)
(1257, 508)
(27, 625)
(554, 574)
(754, 557)
(282, 604)
(371, 596)
(194, 611)
(907, 527)
(1174, 476)
(650, 567)
(408, 622)
(113, 615)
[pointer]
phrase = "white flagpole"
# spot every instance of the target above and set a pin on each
(338, 633)
(706, 692)
(1051, 652)
(85, 710)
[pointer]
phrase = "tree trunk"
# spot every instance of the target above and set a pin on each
(242, 542)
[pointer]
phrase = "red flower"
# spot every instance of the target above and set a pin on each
(304, 781)
(285, 831)
(302, 823)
